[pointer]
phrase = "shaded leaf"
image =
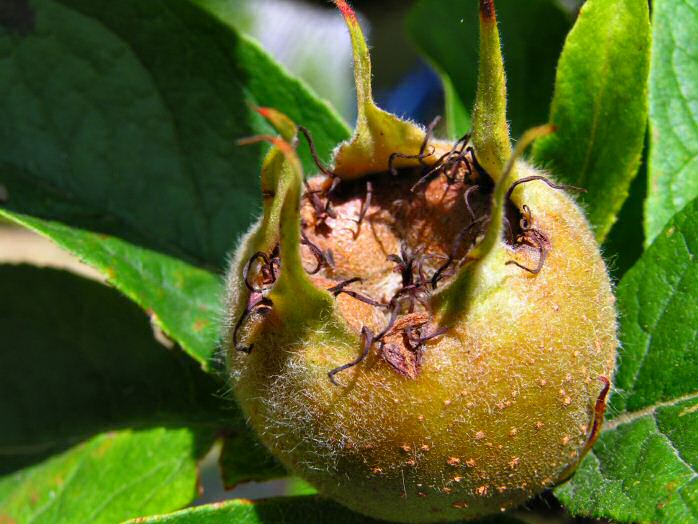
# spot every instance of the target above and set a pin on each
(600, 106)
(296, 486)
(624, 243)
(112, 477)
(532, 35)
(457, 115)
(122, 117)
(244, 459)
(182, 299)
(644, 467)
(78, 359)
(673, 174)
(300, 509)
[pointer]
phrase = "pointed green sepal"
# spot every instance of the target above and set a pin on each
(286, 127)
(490, 127)
(296, 299)
(452, 301)
(378, 133)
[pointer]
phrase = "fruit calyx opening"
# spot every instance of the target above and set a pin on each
(390, 227)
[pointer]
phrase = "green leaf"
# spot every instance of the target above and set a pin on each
(624, 244)
(78, 359)
(457, 116)
(644, 467)
(112, 477)
(532, 34)
(244, 459)
(183, 300)
(289, 510)
(673, 174)
(121, 117)
(600, 106)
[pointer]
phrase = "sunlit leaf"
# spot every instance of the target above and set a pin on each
(600, 106)
(673, 173)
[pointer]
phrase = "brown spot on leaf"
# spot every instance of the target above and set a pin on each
(17, 16)
(200, 324)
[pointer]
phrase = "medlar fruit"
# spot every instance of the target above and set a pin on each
(425, 331)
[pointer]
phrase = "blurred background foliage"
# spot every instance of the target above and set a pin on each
(309, 39)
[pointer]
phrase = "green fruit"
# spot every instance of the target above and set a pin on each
(460, 375)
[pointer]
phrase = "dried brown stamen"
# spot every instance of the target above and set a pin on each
(316, 251)
(539, 241)
(414, 337)
(422, 155)
(466, 197)
(365, 207)
(481, 172)
(413, 289)
(532, 237)
(447, 164)
(366, 343)
(341, 288)
(322, 209)
(313, 151)
(267, 270)
(394, 308)
(542, 179)
(457, 244)
(256, 303)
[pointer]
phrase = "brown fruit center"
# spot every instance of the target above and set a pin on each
(387, 241)
(396, 238)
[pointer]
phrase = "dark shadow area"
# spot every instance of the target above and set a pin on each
(78, 359)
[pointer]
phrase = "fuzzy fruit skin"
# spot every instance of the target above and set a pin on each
(503, 405)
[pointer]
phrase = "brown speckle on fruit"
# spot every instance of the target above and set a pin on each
(453, 461)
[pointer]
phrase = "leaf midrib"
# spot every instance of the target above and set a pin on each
(631, 416)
